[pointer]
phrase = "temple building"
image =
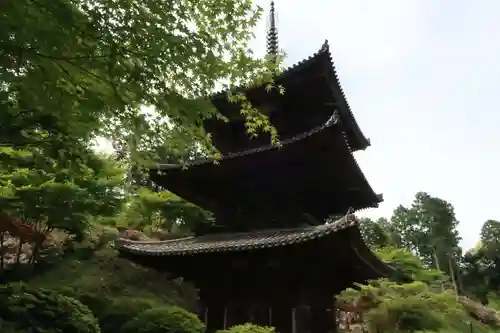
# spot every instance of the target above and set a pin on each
(274, 255)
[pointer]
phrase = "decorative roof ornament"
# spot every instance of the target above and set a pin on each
(272, 36)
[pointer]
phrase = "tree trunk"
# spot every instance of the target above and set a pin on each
(34, 254)
(19, 250)
(39, 240)
(436, 262)
(460, 282)
(452, 275)
(2, 250)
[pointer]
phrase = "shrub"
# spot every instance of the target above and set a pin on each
(38, 310)
(248, 328)
(120, 311)
(97, 303)
(167, 319)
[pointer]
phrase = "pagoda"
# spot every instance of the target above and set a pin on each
(274, 255)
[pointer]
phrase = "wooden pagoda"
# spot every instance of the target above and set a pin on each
(273, 256)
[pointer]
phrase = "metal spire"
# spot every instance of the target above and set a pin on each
(272, 36)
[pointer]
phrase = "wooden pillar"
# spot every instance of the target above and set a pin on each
(215, 316)
(323, 317)
(224, 324)
(261, 314)
(282, 317)
(237, 313)
(333, 317)
(302, 319)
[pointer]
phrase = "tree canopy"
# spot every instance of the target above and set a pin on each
(138, 74)
(71, 70)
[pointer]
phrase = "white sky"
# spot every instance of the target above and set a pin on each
(421, 77)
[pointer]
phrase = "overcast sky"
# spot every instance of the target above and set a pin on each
(421, 78)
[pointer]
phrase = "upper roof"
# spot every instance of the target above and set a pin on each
(312, 92)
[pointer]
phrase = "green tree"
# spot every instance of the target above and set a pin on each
(71, 70)
(490, 238)
(480, 266)
(490, 248)
(404, 224)
(375, 233)
(51, 194)
(161, 210)
(475, 274)
(429, 229)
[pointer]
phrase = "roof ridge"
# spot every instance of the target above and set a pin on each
(122, 240)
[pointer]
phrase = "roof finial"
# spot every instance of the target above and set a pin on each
(272, 36)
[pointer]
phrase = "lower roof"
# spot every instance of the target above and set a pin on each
(298, 258)
(235, 242)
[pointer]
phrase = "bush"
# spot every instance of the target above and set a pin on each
(407, 307)
(248, 328)
(97, 303)
(167, 319)
(38, 310)
(122, 310)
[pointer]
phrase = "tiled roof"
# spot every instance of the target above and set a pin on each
(234, 241)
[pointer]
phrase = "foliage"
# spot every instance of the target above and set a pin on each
(408, 307)
(490, 238)
(480, 266)
(108, 275)
(41, 310)
(410, 266)
(97, 303)
(375, 233)
(476, 273)
(162, 211)
(248, 328)
(71, 70)
(122, 309)
(114, 289)
(167, 319)
(47, 194)
(53, 195)
(429, 229)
